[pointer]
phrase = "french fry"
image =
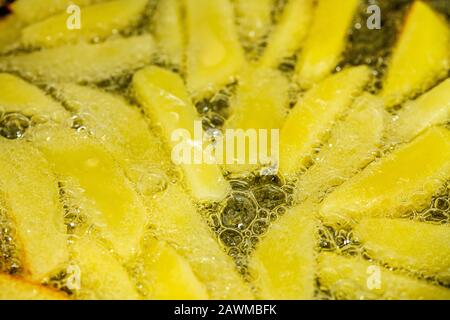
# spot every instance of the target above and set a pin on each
(101, 276)
(253, 19)
(420, 57)
(356, 278)
(261, 103)
(283, 263)
(289, 34)
(175, 220)
(83, 62)
(214, 54)
(32, 203)
(168, 275)
(417, 246)
(326, 40)
(401, 181)
(113, 206)
(30, 11)
(13, 288)
(120, 127)
(314, 113)
(432, 108)
(17, 95)
(169, 31)
(99, 21)
(163, 96)
(351, 147)
(10, 32)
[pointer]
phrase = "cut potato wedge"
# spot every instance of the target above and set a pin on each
(432, 108)
(314, 113)
(120, 127)
(10, 32)
(98, 22)
(169, 32)
(83, 62)
(416, 246)
(283, 263)
(420, 57)
(214, 53)
(102, 277)
(254, 20)
(31, 11)
(401, 181)
(175, 220)
(351, 278)
(32, 203)
(352, 145)
(289, 34)
(168, 275)
(13, 288)
(326, 40)
(17, 95)
(113, 206)
(163, 96)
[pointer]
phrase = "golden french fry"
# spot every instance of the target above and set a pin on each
(163, 96)
(168, 275)
(352, 146)
(290, 32)
(98, 22)
(13, 288)
(356, 278)
(31, 198)
(101, 276)
(214, 54)
(283, 263)
(431, 108)
(420, 57)
(175, 220)
(83, 62)
(112, 204)
(314, 113)
(416, 246)
(326, 40)
(17, 95)
(403, 180)
(169, 32)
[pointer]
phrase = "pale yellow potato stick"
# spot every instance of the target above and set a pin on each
(113, 205)
(315, 113)
(30, 11)
(431, 108)
(402, 180)
(289, 34)
(326, 40)
(83, 62)
(31, 198)
(417, 246)
(101, 276)
(352, 145)
(169, 32)
(420, 57)
(17, 95)
(261, 102)
(214, 53)
(284, 262)
(174, 219)
(359, 279)
(14, 288)
(163, 96)
(167, 275)
(98, 21)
